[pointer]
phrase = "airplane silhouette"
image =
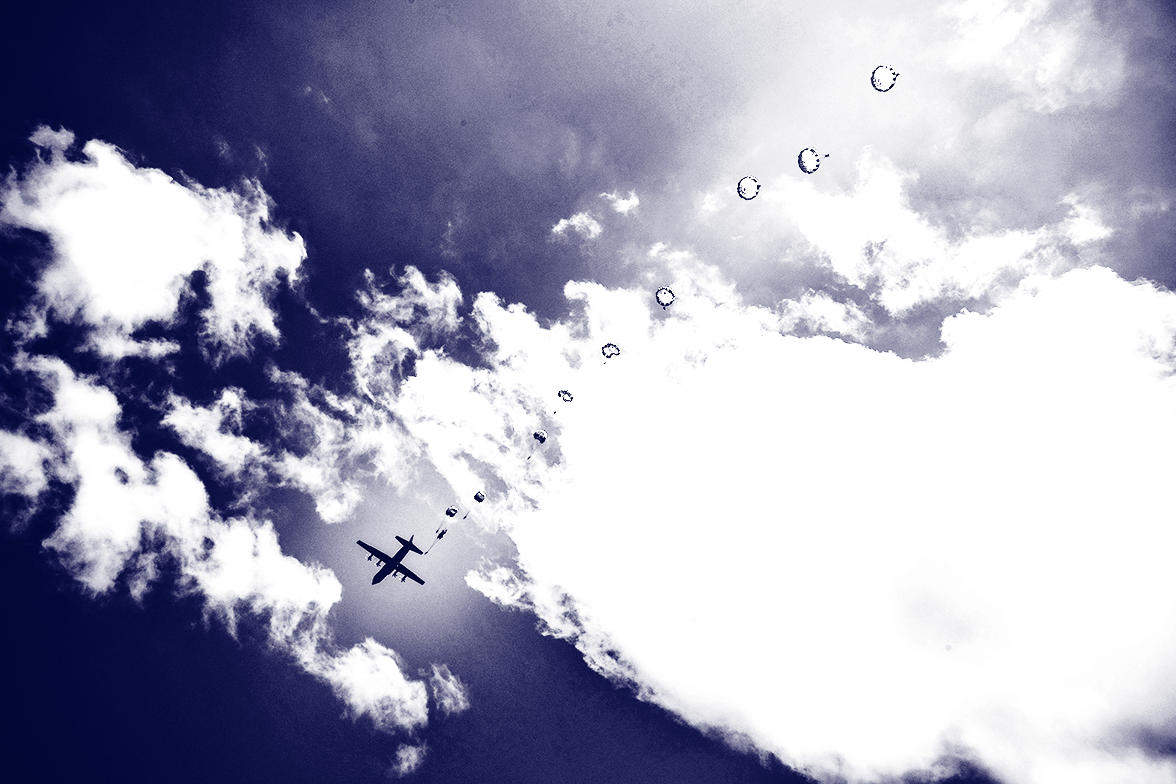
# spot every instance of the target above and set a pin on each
(391, 565)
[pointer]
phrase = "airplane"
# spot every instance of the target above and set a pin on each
(391, 565)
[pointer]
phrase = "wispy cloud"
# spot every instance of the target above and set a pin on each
(582, 223)
(449, 693)
(126, 241)
(622, 204)
(408, 760)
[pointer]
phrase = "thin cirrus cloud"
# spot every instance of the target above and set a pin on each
(132, 523)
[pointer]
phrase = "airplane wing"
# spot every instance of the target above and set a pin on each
(408, 573)
(383, 557)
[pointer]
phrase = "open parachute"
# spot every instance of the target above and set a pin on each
(610, 350)
(441, 529)
(664, 297)
(883, 78)
(452, 512)
(565, 396)
(809, 160)
(747, 188)
(541, 437)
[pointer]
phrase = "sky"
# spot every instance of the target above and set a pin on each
(880, 496)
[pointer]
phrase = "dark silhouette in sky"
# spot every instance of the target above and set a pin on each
(392, 565)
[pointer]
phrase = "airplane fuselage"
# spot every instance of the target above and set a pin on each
(392, 564)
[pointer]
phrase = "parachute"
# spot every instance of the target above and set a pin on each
(883, 75)
(541, 437)
(565, 396)
(610, 350)
(664, 297)
(747, 188)
(452, 512)
(809, 161)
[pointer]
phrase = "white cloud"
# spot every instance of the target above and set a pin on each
(449, 693)
(620, 203)
(22, 465)
(1083, 225)
(874, 240)
(408, 760)
(215, 430)
(582, 223)
(1057, 55)
(129, 518)
(370, 679)
(116, 345)
(500, 585)
(126, 239)
(821, 313)
(323, 463)
(836, 518)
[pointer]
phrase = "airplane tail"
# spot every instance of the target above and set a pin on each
(408, 543)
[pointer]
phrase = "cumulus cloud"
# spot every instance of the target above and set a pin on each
(126, 240)
(370, 679)
(582, 223)
(383, 337)
(961, 556)
(131, 520)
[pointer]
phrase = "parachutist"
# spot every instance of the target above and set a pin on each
(541, 437)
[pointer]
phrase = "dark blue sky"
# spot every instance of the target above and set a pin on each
(451, 138)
